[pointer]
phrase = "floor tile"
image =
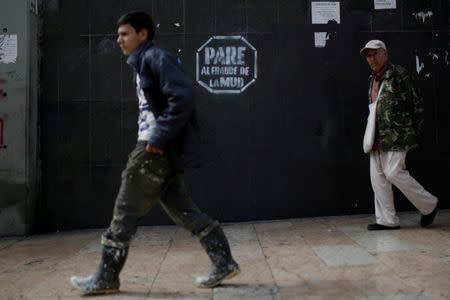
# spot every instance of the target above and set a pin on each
(279, 233)
(312, 258)
(445, 256)
(183, 262)
(340, 288)
(6, 242)
(435, 287)
(414, 263)
(327, 237)
(299, 290)
(247, 252)
(396, 297)
(431, 241)
(376, 241)
(386, 286)
(291, 265)
(344, 255)
(248, 292)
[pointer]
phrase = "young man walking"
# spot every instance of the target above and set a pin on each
(399, 121)
(167, 143)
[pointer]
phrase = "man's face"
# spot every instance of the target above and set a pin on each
(129, 40)
(376, 58)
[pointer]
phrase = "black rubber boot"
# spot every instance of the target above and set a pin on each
(223, 265)
(106, 279)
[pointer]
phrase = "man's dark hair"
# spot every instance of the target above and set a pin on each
(138, 20)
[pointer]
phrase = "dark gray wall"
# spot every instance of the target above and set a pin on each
(288, 146)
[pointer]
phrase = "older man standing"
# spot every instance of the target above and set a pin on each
(399, 120)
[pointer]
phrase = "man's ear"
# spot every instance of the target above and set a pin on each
(143, 34)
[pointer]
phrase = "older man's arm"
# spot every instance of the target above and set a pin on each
(3, 94)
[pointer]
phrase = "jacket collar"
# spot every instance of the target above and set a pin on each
(135, 58)
(389, 71)
(386, 75)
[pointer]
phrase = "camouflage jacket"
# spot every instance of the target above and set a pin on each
(399, 110)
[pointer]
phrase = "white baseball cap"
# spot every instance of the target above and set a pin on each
(373, 44)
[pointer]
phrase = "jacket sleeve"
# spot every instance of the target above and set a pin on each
(178, 91)
(412, 96)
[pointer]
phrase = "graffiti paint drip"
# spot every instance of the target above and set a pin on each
(422, 15)
(419, 66)
(434, 56)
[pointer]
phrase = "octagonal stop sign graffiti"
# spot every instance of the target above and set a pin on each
(226, 64)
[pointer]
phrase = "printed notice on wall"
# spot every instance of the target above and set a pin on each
(8, 48)
(385, 4)
(324, 12)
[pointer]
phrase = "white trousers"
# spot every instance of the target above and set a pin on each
(387, 169)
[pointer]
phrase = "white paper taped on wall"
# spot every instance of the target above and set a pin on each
(385, 4)
(320, 39)
(323, 12)
(8, 48)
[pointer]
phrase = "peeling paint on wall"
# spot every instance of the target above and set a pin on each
(419, 65)
(8, 48)
(434, 56)
(424, 16)
(440, 58)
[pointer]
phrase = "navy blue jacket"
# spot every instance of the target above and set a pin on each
(170, 96)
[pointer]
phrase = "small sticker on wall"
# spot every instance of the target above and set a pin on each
(8, 48)
(324, 12)
(385, 4)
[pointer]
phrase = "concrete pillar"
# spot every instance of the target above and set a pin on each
(19, 26)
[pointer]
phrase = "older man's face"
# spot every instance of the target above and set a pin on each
(376, 58)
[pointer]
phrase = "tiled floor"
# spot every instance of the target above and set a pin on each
(316, 258)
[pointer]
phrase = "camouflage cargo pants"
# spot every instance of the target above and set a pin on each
(149, 179)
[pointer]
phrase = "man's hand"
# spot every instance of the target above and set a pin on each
(151, 149)
(2, 92)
